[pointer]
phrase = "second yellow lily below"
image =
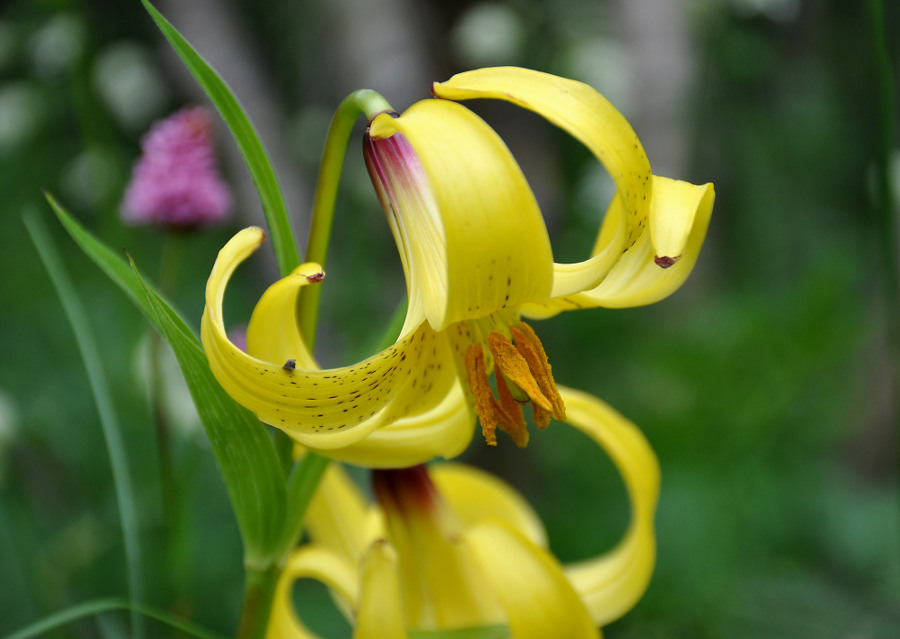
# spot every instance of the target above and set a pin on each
(453, 547)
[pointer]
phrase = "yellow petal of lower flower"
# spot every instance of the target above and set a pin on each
(314, 563)
(581, 111)
(378, 612)
(322, 409)
(537, 597)
(680, 214)
(476, 497)
(337, 513)
(440, 583)
(495, 251)
(611, 584)
(444, 431)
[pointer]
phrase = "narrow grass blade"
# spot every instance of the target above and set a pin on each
(112, 431)
(248, 141)
(244, 451)
(91, 608)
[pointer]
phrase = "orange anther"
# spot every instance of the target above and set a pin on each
(481, 391)
(517, 428)
(522, 375)
(532, 351)
(515, 368)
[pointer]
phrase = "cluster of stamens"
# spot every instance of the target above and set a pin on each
(522, 376)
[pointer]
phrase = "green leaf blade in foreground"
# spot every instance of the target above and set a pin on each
(109, 421)
(69, 615)
(248, 141)
(240, 441)
(243, 449)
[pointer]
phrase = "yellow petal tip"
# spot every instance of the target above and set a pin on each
(313, 272)
(382, 125)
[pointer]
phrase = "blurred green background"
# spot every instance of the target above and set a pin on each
(763, 384)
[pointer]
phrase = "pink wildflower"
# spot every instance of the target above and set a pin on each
(175, 183)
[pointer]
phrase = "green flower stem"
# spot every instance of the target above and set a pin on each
(259, 593)
(362, 102)
(261, 581)
(307, 473)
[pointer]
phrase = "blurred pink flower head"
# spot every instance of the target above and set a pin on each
(175, 183)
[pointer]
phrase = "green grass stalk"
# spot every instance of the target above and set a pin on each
(112, 431)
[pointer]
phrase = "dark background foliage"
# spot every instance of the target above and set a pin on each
(763, 384)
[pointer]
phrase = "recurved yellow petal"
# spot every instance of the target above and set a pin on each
(315, 563)
(322, 409)
(379, 609)
(476, 497)
(570, 279)
(492, 250)
(538, 600)
(611, 584)
(272, 333)
(679, 216)
(579, 110)
(444, 431)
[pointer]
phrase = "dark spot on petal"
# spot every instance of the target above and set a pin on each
(665, 262)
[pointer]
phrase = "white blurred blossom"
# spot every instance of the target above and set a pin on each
(130, 85)
(488, 34)
(57, 46)
(21, 111)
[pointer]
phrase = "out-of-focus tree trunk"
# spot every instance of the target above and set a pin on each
(658, 42)
(656, 37)
(383, 45)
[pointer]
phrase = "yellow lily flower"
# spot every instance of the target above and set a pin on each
(454, 547)
(477, 258)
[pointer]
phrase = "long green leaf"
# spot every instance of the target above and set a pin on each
(248, 141)
(99, 606)
(259, 489)
(244, 451)
(109, 421)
